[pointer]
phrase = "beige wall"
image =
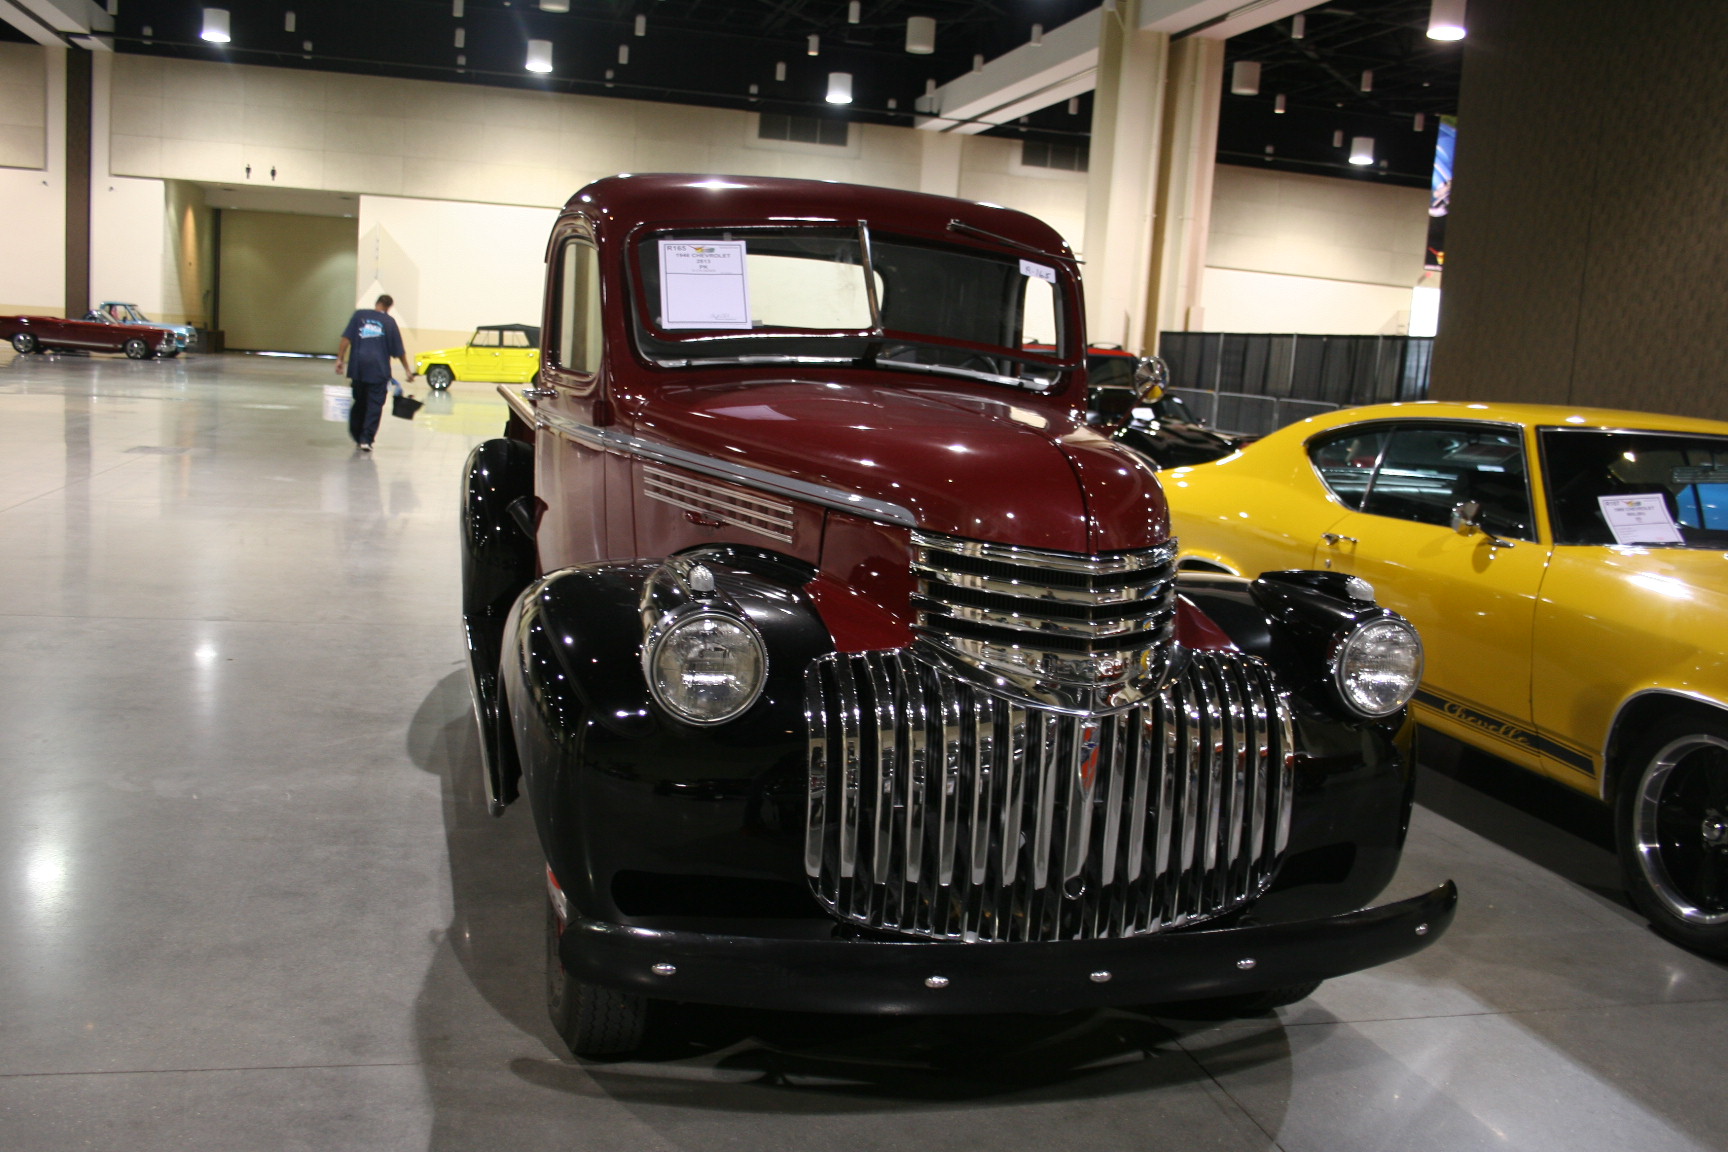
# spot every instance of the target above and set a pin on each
(208, 122)
(33, 272)
(455, 183)
(451, 266)
(23, 106)
(188, 256)
(1294, 253)
(287, 281)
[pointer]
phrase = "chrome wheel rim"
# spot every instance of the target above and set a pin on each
(1680, 828)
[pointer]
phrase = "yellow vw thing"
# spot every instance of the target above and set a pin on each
(495, 354)
(1568, 570)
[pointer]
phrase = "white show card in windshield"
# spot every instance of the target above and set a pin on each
(1642, 519)
(1038, 271)
(703, 284)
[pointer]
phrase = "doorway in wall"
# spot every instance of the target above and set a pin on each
(286, 280)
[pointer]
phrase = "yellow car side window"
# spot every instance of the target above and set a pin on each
(1346, 462)
(1428, 470)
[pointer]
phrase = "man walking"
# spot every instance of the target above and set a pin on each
(369, 343)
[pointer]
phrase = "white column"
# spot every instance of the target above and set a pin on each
(1123, 168)
(939, 155)
(1187, 161)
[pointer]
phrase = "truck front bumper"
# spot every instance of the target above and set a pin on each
(895, 977)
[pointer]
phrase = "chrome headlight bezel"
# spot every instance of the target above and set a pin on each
(1346, 653)
(692, 615)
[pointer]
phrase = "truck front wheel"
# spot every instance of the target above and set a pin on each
(593, 1022)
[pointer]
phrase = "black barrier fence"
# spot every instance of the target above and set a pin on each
(1251, 383)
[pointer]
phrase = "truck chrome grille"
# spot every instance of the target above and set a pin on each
(944, 810)
(1061, 630)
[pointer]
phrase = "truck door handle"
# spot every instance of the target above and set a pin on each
(1334, 539)
(539, 393)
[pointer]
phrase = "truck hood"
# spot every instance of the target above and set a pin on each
(1014, 470)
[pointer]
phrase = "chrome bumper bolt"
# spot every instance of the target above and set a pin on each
(935, 981)
(665, 969)
(1246, 963)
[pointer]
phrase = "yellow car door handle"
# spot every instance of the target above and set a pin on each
(1334, 539)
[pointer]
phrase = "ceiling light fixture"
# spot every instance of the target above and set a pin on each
(1278, 104)
(623, 53)
(1367, 80)
(839, 88)
(1037, 35)
(461, 60)
(854, 12)
(780, 70)
(892, 103)
(215, 26)
(557, 6)
(456, 8)
(1298, 26)
(920, 35)
(461, 38)
(812, 45)
(641, 25)
(539, 56)
(1338, 138)
(288, 21)
(1446, 20)
(1073, 105)
(977, 61)
(1245, 78)
(1362, 150)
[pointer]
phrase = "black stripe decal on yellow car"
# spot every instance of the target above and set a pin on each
(1501, 728)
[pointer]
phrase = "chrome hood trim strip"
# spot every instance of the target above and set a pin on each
(622, 443)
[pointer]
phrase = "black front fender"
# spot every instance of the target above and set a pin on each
(639, 813)
(1355, 778)
(498, 561)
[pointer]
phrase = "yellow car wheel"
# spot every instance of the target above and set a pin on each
(1672, 824)
(439, 376)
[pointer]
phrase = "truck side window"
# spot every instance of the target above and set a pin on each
(576, 341)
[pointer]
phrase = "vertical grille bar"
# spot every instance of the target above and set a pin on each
(941, 810)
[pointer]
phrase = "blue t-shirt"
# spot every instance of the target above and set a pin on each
(373, 340)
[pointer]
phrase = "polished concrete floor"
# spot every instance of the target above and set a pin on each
(250, 900)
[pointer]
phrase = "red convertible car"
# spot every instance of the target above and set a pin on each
(41, 333)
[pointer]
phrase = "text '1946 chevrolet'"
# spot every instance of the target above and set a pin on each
(846, 669)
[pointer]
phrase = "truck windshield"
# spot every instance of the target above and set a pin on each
(838, 295)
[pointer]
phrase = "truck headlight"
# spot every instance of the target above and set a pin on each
(704, 666)
(1377, 665)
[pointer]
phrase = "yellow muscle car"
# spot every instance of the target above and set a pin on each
(1568, 570)
(495, 354)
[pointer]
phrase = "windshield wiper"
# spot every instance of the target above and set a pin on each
(694, 361)
(964, 373)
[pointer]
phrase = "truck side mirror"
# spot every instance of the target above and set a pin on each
(1466, 518)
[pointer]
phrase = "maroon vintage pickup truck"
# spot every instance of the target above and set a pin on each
(845, 668)
(43, 333)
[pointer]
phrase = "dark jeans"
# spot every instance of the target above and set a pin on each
(368, 408)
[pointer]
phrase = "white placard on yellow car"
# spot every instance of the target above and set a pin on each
(1641, 519)
(703, 284)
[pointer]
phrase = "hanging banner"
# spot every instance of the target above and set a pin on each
(1440, 198)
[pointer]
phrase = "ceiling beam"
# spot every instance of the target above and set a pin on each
(57, 23)
(1032, 77)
